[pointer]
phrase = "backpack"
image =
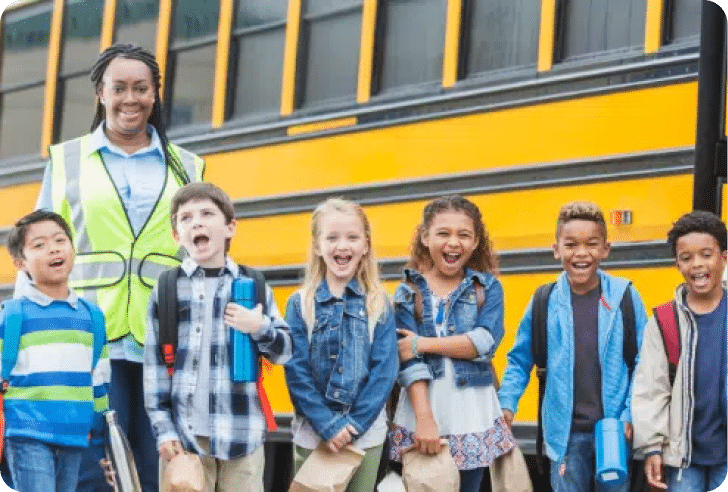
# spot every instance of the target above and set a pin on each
(169, 323)
(666, 317)
(13, 316)
(539, 345)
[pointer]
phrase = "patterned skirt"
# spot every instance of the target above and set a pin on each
(470, 451)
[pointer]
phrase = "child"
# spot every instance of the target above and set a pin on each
(587, 378)
(199, 409)
(58, 386)
(449, 313)
(344, 342)
(683, 424)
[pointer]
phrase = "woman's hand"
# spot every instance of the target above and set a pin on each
(508, 417)
(170, 449)
(427, 438)
(653, 471)
(344, 437)
(109, 472)
(244, 319)
(404, 344)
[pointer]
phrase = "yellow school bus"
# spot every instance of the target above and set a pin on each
(522, 105)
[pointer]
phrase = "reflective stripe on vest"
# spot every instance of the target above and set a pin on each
(114, 268)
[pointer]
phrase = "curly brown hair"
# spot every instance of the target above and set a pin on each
(483, 259)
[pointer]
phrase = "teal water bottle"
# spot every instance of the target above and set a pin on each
(243, 352)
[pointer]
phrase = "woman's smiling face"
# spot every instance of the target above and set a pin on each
(127, 93)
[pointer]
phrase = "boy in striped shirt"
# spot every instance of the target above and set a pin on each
(57, 389)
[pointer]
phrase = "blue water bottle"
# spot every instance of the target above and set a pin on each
(611, 451)
(243, 352)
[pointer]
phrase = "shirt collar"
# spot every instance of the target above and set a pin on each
(190, 267)
(35, 295)
(99, 141)
(323, 293)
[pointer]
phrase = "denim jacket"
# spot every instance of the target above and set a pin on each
(340, 377)
(484, 327)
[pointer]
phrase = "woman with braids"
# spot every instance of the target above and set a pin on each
(114, 187)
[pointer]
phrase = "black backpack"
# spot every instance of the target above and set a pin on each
(539, 344)
(168, 309)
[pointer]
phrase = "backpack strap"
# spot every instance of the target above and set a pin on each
(12, 312)
(539, 353)
(168, 316)
(99, 327)
(259, 281)
(629, 340)
(666, 317)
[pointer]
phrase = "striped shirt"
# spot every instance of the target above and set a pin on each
(55, 394)
(236, 425)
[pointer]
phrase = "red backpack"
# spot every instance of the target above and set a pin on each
(666, 317)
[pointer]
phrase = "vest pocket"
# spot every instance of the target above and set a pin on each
(97, 269)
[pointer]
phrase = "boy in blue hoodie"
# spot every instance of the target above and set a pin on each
(587, 378)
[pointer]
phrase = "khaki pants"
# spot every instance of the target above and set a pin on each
(243, 474)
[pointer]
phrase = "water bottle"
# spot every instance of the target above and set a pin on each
(119, 453)
(611, 451)
(243, 352)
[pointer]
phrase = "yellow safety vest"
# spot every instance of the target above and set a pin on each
(114, 268)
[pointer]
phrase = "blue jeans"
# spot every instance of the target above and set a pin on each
(127, 398)
(36, 464)
(470, 479)
(580, 470)
(695, 478)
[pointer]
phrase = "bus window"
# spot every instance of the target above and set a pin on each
(682, 21)
(25, 33)
(259, 33)
(594, 27)
(330, 39)
(136, 23)
(411, 41)
(500, 34)
(80, 42)
(191, 68)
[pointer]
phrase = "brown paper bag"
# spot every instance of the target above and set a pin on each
(430, 473)
(184, 473)
(326, 471)
(509, 473)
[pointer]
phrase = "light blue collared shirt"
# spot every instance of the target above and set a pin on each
(139, 179)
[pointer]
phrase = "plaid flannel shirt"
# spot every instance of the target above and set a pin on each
(236, 424)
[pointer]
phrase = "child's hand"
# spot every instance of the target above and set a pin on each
(653, 471)
(109, 472)
(344, 437)
(244, 319)
(628, 431)
(508, 417)
(427, 438)
(170, 449)
(404, 344)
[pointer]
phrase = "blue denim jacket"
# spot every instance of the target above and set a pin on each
(484, 327)
(340, 377)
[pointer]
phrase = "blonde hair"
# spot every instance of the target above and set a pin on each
(581, 211)
(367, 273)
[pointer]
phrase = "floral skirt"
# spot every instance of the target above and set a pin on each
(470, 451)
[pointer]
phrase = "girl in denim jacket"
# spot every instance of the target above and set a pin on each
(449, 311)
(344, 343)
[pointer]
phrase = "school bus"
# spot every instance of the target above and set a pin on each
(522, 105)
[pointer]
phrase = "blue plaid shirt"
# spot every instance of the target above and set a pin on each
(236, 424)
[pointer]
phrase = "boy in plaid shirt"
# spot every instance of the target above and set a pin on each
(199, 408)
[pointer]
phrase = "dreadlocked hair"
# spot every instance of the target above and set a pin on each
(483, 259)
(156, 119)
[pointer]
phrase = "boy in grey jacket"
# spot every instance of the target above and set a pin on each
(683, 424)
